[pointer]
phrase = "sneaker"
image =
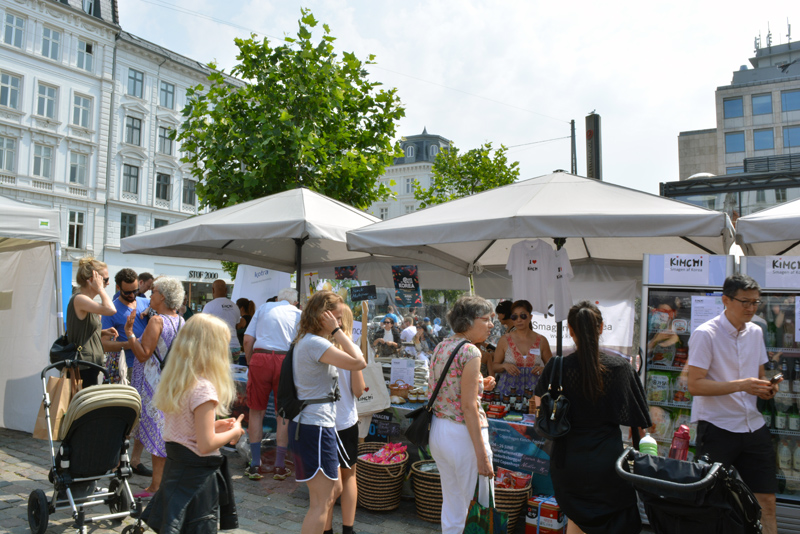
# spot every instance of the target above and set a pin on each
(281, 473)
(253, 473)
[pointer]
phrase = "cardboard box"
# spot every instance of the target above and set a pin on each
(544, 516)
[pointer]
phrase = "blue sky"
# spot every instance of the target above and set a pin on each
(515, 72)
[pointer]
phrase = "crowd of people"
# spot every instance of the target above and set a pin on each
(186, 396)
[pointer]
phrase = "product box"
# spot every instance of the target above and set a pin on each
(544, 516)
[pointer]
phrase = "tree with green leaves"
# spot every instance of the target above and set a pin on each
(305, 117)
(459, 175)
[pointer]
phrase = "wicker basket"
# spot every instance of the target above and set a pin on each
(427, 492)
(512, 501)
(379, 486)
(399, 389)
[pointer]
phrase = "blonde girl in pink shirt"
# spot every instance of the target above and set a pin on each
(196, 386)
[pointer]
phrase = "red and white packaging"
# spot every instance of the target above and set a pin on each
(544, 516)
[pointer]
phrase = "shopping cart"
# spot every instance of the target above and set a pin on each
(682, 497)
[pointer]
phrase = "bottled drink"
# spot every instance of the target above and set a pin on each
(647, 445)
(796, 377)
(680, 443)
(767, 413)
(793, 419)
(784, 386)
(784, 456)
(781, 421)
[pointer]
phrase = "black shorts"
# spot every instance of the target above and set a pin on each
(349, 440)
(751, 453)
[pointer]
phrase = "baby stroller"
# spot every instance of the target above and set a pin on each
(93, 448)
(681, 496)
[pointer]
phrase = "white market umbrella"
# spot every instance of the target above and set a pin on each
(771, 232)
(600, 221)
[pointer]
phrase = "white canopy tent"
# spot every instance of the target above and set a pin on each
(30, 306)
(296, 230)
(771, 232)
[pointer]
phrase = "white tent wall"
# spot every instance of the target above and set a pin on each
(28, 328)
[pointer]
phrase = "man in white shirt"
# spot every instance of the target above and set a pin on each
(225, 309)
(266, 342)
(407, 335)
(726, 374)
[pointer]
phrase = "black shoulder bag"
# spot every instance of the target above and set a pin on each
(551, 415)
(63, 349)
(419, 431)
(163, 362)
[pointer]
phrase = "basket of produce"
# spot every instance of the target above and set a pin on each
(511, 493)
(380, 475)
(427, 486)
(399, 389)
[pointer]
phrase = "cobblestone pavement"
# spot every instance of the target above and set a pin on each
(265, 507)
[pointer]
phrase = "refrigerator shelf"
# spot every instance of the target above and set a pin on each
(670, 404)
(656, 367)
(786, 350)
(775, 431)
(788, 395)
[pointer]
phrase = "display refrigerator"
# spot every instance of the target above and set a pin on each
(679, 292)
(778, 316)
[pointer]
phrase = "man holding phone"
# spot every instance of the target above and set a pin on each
(726, 374)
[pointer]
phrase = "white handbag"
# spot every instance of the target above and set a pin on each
(376, 395)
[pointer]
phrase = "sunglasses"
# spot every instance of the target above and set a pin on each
(131, 292)
(105, 281)
(388, 322)
(522, 316)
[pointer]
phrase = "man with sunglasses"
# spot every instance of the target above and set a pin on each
(726, 376)
(126, 303)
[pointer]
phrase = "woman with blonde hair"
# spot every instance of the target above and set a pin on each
(151, 354)
(312, 433)
(351, 387)
(84, 327)
(196, 386)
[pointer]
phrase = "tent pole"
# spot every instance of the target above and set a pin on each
(298, 263)
(559, 241)
(59, 296)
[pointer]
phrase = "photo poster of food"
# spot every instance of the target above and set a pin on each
(407, 293)
(348, 272)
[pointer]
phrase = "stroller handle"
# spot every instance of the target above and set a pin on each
(76, 364)
(707, 481)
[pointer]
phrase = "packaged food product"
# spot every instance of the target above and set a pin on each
(680, 326)
(681, 356)
(662, 423)
(505, 478)
(663, 355)
(391, 453)
(684, 417)
(658, 386)
(545, 516)
(680, 390)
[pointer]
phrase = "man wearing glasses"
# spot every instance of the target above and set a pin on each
(726, 376)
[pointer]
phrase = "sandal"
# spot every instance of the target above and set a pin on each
(142, 470)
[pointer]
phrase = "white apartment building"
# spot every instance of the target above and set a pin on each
(420, 152)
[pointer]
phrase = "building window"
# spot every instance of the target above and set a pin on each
(158, 223)
(791, 136)
(410, 208)
(9, 90)
(46, 104)
(42, 161)
(763, 139)
(434, 150)
(733, 108)
(127, 225)
(88, 6)
(734, 170)
(163, 188)
(410, 151)
(780, 195)
(762, 104)
(189, 196)
(82, 106)
(734, 142)
(383, 213)
(130, 179)
(85, 56)
(409, 185)
(135, 83)
(8, 149)
(165, 141)
(75, 232)
(51, 43)
(133, 131)
(15, 30)
(77, 168)
(167, 95)
(790, 100)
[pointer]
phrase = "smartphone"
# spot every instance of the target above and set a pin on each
(774, 379)
(490, 347)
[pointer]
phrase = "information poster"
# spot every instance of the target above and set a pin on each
(403, 369)
(519, 448)
(782, 271)
(348, 272)
(406, 285)
(705, 308)
(687, 269)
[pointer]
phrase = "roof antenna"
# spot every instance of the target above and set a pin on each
(769, 36)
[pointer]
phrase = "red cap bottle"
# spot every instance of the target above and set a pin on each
(680, 443)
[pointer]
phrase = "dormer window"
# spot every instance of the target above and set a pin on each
(434, 150)
(410, 151)
(88, 6)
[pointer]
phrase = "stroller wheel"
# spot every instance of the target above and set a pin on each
(133, 529)
(120, 502)
(38, 511)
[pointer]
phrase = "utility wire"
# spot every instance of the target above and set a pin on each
(539, 142)
(169, 5)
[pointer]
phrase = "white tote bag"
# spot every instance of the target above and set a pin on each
(376, 395)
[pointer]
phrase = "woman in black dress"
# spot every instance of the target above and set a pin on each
(604, 392)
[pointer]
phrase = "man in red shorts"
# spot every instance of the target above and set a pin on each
(266, 341)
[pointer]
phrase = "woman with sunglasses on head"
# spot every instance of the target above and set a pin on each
(521, 354)
(386, 340)
(84, 327)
